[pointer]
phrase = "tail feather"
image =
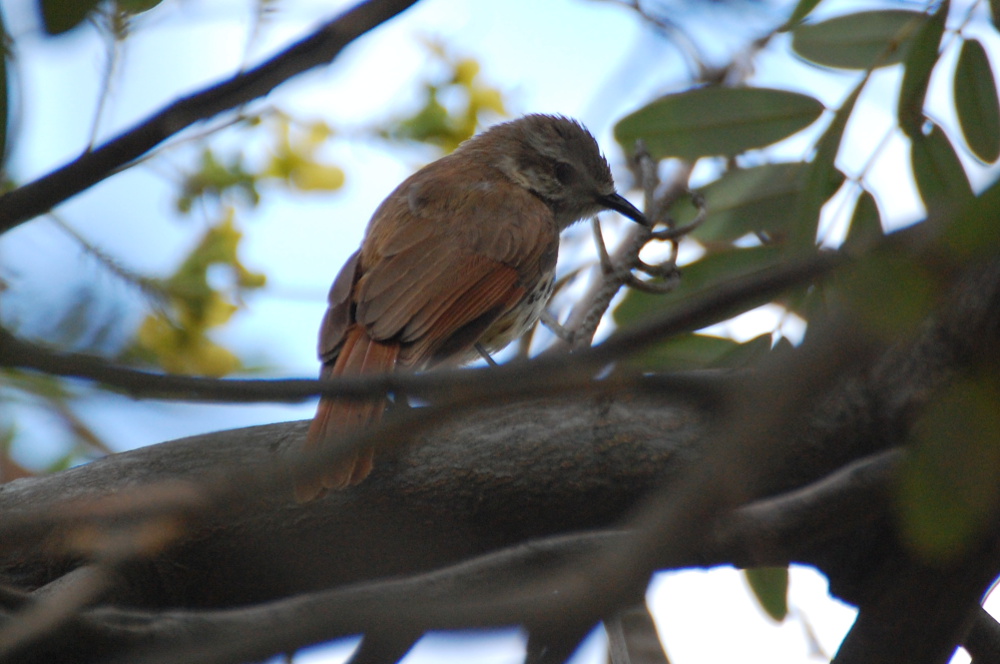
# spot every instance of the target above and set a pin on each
(337, 419)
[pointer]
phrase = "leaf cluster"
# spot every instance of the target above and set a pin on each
(761, 215)
(454, 103)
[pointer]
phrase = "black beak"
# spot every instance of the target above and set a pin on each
(619, 204)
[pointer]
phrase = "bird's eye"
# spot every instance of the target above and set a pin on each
(564, 172)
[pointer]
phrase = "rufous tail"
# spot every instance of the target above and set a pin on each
(337, 419)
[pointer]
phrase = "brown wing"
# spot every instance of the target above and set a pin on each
(338, 316)
(438, 267)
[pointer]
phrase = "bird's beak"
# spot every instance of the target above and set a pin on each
(619, 204)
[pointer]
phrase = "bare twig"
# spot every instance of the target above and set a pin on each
(321, 47)
(443, 384)
(47, 613)
(632, 637)
(149, 287)
(485, 354)
(676, 35)
(616, 270)
(549, 321)
(111, 532)
(112, 60)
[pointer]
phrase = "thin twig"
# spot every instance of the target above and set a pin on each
(111, 63)
(149, 287)
(692, 314)
(46, 613)
(321, 47)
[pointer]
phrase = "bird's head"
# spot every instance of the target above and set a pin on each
(558, 160)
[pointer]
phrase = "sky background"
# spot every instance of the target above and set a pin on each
(588, 59)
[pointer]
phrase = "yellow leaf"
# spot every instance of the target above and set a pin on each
(317, 133)
(312, 176)
(208, 358)
(217, 311)
(488, 98)
(156, 335)
(247, 279)
(183, 351)
(466, 71)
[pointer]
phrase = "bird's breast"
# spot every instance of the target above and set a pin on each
(521, 317)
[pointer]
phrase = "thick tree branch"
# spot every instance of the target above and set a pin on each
(486, 591)
(917, 611)
(319, 48)
(521, 470)
(983, 640)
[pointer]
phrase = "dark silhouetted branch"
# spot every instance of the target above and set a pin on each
(321, 47)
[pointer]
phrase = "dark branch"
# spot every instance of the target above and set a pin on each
(511, 586)
(633, 638)
(319, 48)
(522, 470)
(983, 640)
(916, 611)
(517, 378)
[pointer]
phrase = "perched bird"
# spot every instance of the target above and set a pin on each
(460, 258)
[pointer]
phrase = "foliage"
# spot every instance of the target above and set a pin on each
(763, 214)
(434, 122)
(59, 16)
(176, 336)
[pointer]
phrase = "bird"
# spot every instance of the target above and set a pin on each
(459, 260)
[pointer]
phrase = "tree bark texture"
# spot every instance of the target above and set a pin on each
(511, 473)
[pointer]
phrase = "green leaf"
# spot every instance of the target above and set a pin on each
(865, 230)
(136, 6)
(216, 177)
(823, 178)
(702, 351)
(995, 12)
(717, 121)
(973, 233)
(709, 271)
(940, 177)
(802, 9)
(861, 40)
(890, 294)
(806, 303)
(976, 101)
(686, 351)
(59, 16)
(920, 62)
(950, 484)
(770, 587)
(747, 353)
(746, 200)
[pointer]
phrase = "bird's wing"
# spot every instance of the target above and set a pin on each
(338, 316)
(437, 270)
